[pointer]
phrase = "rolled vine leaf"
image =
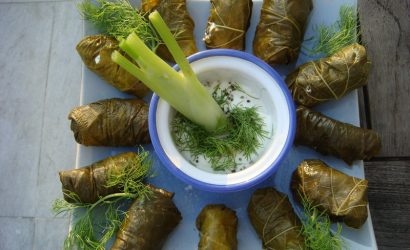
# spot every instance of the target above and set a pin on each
(217, 225)
(227, 24)
(88, 184)
(342, 197)
(280, 30)
(331, 77)
(111, 122)
(95, 51)
(273, 219)
(329, 136)
(148, 222)
(178, 20)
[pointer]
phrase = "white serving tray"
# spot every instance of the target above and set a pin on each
(190, 200)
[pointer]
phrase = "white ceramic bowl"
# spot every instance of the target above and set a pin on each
(276, 107)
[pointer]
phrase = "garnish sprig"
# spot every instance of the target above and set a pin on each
(316, 229)
(118, 19)
(338, 35)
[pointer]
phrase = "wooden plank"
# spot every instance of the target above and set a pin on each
(389, 201)
(362, 108)
(385, 27)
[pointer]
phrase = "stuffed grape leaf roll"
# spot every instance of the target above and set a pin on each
(95, 51)
(273, 219)
(329, 136)
(280, 30)
(217, 225)
(331, 77)
(111, 122)
(225, 29)
(176, 16)
(89, 183)
(148, 222)
(341, 196)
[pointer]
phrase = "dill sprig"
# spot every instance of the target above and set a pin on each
(242, 135)
(316, 229)
(130, 179)
(338, 35)
(119, 18)
(90, 232)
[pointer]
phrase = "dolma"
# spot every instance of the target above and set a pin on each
(280, 30)
(329, 136)
(148, 222)
(273, 219)
(217, 225)
(89, 183)
(111, 122)
(225, 29)
(331, 77)
(176, 16)
(343, 197)
(95, 51)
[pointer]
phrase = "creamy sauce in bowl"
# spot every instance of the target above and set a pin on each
(243, 97)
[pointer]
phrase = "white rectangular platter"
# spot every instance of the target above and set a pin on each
(190, 200)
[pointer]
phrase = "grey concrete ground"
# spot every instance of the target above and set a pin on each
(40, 76)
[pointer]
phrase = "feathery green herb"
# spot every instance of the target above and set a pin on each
(243, 134)
(90, 233)
(316, 229)
(119, 18)
(342, 33)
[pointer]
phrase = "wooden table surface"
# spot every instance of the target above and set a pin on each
(385, 107)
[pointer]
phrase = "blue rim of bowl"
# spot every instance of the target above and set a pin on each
(269, 171)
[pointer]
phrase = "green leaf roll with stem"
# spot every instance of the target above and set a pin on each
(148, 222)
(331, 77)
(225, 29)
(95, 51)
(274, 220)
(280, 30)
(217, 226)
(332, 137)
(342, 197)
(111, 122)
(101, 186)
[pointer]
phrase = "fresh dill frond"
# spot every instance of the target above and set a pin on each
(243, 134)
(338, 35)
(119, 18)
(130, 178)
(316, 229)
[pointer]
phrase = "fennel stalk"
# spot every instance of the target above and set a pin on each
(240, 132)
(182, 90)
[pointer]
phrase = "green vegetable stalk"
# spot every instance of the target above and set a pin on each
(182, 90)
